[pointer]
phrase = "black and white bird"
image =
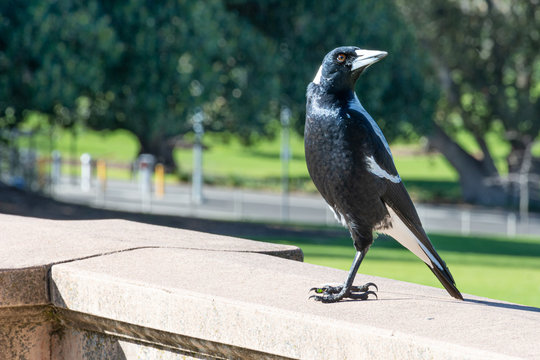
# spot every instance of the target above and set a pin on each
(351, 164)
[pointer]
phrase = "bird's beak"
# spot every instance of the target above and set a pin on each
(366, 58)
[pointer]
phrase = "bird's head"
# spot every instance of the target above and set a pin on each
(342, 66)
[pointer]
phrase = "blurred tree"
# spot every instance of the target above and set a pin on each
(178, 56)
(398, 93)
(53, 54)
(146, 66)
(486, 54)
(14, 67)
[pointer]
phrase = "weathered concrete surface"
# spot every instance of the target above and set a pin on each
(259, 302)
(30, 242)
(29, 247)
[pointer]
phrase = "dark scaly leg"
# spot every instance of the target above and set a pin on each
(330, 293)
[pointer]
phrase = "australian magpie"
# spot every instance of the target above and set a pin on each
(351, 164)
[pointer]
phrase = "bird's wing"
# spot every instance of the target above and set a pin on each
(379, 158)
(407, 229)
(404, 225)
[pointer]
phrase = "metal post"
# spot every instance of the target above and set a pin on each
(197, 176)
(86, 171)
(511, 225)
(73, 155)
(146, 168)
(465, 222)
(285, 156)
(56, 167)
(524, 172)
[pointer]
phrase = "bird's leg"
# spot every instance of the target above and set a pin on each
(331, 293)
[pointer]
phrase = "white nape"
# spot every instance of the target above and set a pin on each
(317, 79)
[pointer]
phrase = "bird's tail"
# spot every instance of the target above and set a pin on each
(414, 238)
(446, 279)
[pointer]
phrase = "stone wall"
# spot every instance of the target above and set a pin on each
(113, 289)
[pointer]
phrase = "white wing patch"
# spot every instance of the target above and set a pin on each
(339, 218)
(376, 170)
(355, 105)
(405, 237)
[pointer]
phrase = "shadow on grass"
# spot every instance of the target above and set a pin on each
(18, 202)
(472, 245)
(275, 155)
(479, 245)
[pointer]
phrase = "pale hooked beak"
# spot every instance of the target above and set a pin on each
(366, 58)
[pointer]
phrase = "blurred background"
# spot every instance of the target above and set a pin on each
(193, 110)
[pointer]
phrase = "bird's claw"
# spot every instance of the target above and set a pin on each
(334, 289)
(365, 287)
(363, 296)
(331, 293)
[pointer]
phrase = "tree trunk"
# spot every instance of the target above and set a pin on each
(162, 149)
(479, 180)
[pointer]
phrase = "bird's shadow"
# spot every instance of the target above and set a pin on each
(471, 301)
(504, 305)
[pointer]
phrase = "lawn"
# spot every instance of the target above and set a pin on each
(428, 176)
(494, 267)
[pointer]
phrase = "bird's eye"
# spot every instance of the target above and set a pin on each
(341, 58)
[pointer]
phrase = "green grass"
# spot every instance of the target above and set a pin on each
(495, 267)
(428, 176)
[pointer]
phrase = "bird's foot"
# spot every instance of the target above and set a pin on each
(334, 293)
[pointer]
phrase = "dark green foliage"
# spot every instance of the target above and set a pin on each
(486, 54)
(397, 92)
(147, 66)
(179, 56)
(52, 54)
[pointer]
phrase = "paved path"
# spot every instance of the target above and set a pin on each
(239, 204)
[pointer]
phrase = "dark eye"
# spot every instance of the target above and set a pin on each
(341, 58)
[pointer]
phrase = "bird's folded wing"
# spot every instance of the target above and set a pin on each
(407, 229)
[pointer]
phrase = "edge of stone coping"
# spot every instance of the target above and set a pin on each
(24, 287)
(235, 324)
(113, 238)
(30, 285)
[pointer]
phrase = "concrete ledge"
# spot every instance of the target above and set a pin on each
(140, 291)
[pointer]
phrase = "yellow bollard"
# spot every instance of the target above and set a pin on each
(42, 171)
(160, 181)
(101, 167)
